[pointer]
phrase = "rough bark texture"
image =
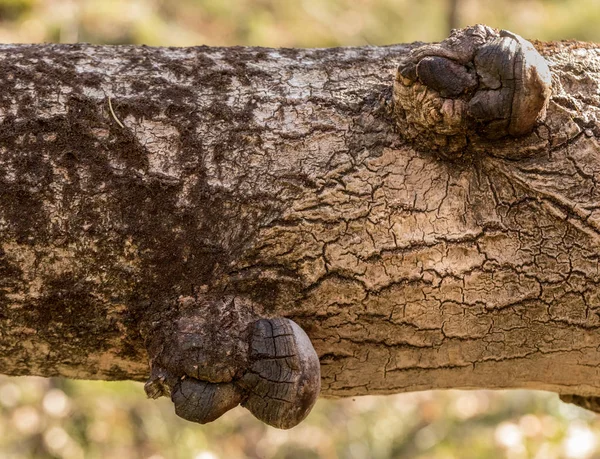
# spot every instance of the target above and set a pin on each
(133, 177)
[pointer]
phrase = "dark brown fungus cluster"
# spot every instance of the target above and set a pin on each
(477, 85)
(276, 377)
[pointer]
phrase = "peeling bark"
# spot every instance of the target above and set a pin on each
(132, 178)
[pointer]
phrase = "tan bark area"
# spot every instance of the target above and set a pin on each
(279, 175)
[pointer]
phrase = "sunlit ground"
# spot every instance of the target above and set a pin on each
(42, 418)
(82, 419)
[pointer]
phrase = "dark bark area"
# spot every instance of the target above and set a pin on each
(132, 178)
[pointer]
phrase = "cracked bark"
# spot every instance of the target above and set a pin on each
(133, 177)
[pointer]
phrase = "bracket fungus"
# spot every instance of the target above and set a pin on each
(217, 354)
(478, 85)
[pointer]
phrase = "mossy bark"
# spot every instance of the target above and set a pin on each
(133, 177)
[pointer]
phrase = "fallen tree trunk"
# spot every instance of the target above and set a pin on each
(133, 177)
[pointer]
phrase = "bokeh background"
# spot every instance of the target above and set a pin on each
(57, 418)
(287, 23)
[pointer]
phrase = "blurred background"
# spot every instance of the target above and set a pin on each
(281, 23)
(56, 418)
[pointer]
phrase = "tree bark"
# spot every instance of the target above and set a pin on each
(133, 177)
